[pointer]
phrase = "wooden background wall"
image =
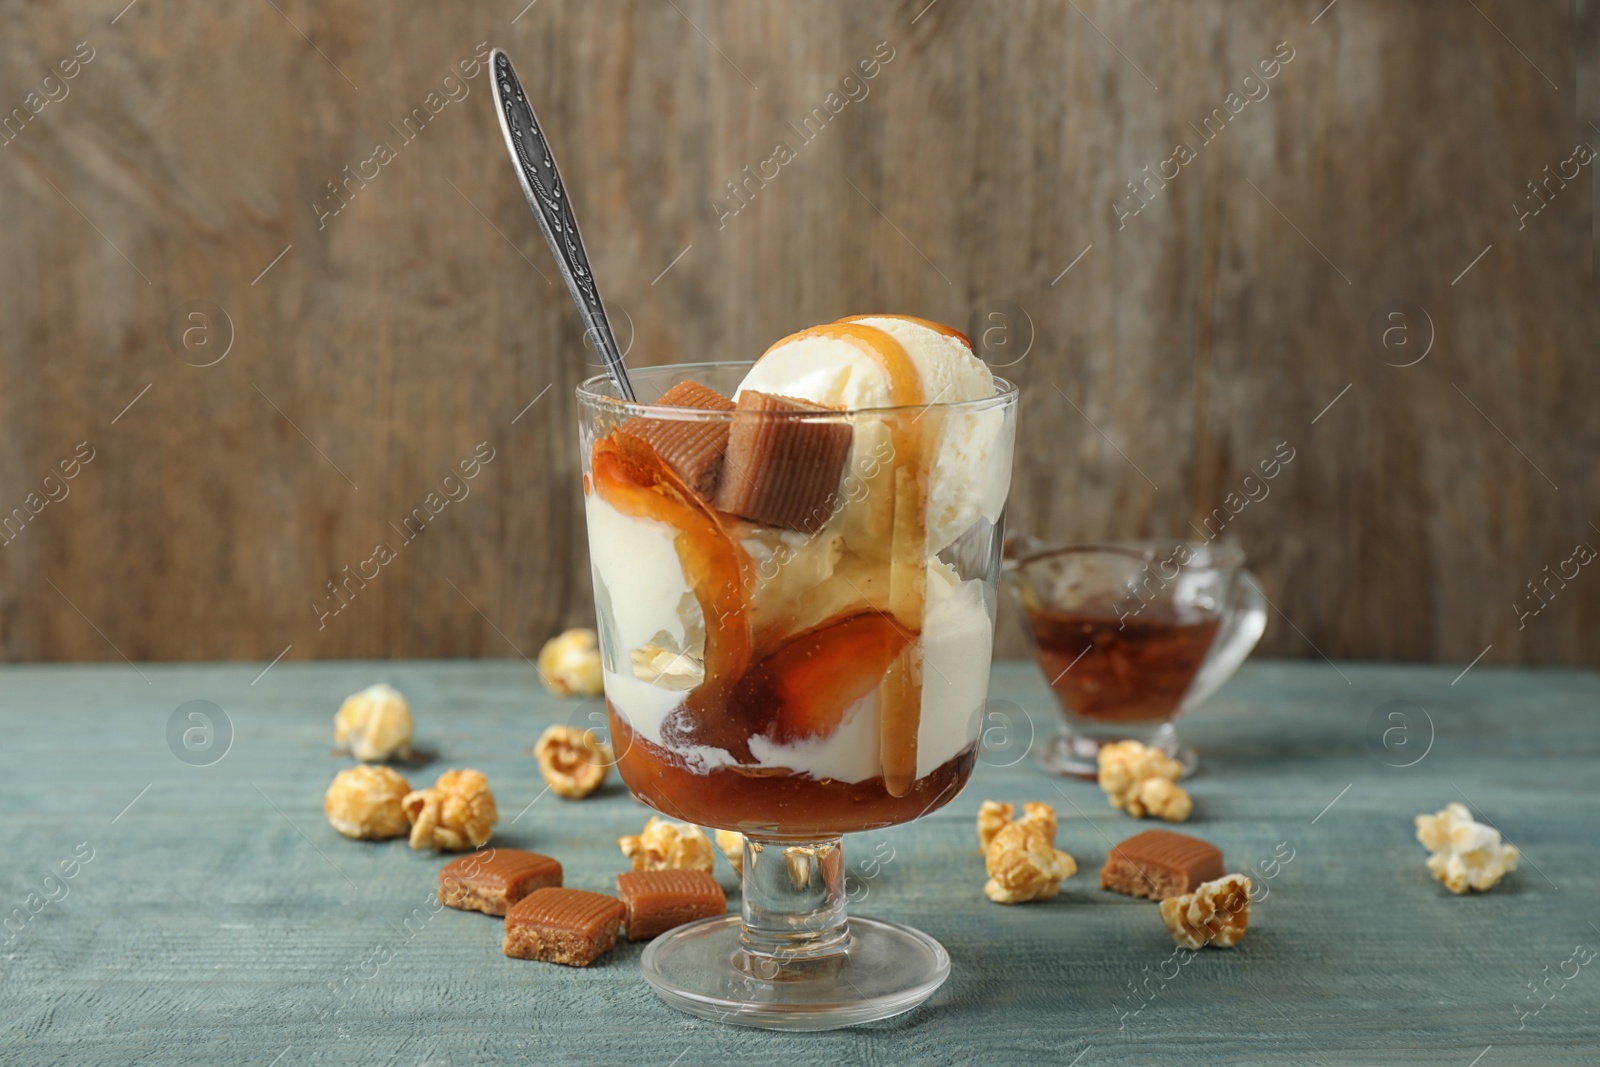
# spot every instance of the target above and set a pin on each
(373, 349)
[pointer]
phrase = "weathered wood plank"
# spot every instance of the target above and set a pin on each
(196, 148)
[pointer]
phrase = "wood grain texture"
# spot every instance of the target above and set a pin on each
(1187, 342)
(221, 920)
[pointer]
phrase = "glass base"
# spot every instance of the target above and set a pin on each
(707, 969)
(1077, 755)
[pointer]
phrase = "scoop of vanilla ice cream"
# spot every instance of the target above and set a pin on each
(641, 593)
(957, 641)
(948, 369)
(835, 372)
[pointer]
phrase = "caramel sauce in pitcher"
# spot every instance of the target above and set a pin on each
(1112, 667)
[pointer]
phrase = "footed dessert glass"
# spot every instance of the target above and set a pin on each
(799, 678)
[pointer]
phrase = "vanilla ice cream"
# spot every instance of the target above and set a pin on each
(638, 580)
(837, 372)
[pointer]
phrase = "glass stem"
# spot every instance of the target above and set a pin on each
(794, 898)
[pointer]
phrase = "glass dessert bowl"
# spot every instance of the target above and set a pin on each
(795, 565)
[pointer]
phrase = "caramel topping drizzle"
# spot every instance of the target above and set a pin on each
(905, 384)
(900, 698)
(630, 477)
(936, 327)
(900, 695)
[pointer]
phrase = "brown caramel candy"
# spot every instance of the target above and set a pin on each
(659, 900)
(492, 881)
(782, 472)
(569, 926)
(1159, 864)
(693, 449)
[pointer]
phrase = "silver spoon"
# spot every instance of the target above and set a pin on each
(541, 185)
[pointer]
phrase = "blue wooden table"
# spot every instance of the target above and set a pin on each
(211, 916)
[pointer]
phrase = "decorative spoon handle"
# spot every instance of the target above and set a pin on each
(542, 186)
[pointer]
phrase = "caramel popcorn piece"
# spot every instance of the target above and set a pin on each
(666, 845)
(731, 842)
(1163, 798)
(453, 816)
(994, 816)
(573, 761)
(1466, 853)
(797, 859)
(569, 664)
(806, 862)
(374, 725)
(1023, 864)
(365, 803)
(1020, 855)
(1217, 913)
(1142, 781)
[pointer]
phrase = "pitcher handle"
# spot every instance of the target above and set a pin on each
(1243, 622)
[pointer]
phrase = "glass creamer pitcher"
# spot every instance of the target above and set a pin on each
(1132, 634)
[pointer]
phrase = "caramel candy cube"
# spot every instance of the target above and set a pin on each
(692, 448)
(1159, 864)
(570, 926)
(492, 881)
(659, 900)
(781, 471)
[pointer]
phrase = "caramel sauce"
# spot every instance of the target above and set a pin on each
(630, 477)
(1110, 668)
(900, 696)
(812, 679)
(905, 384)
(900, 712)
(936, 327)
(774, 801)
